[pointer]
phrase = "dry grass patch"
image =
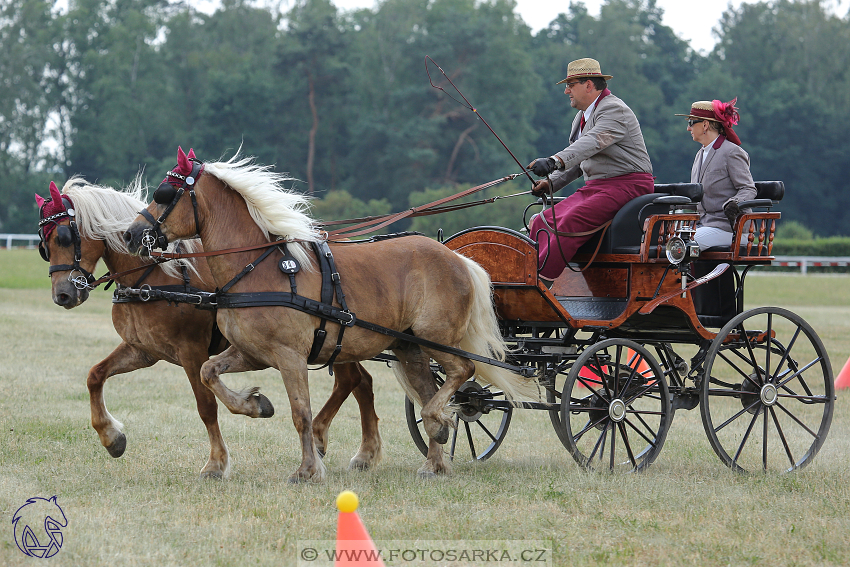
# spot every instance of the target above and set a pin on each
(149, 508)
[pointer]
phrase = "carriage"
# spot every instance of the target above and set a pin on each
(640, 325)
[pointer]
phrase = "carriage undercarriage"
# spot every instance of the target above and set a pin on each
(620, 346)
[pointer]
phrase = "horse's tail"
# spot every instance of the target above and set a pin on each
(484, 338)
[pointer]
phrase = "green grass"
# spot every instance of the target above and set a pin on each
(23, 268)
(149, 508)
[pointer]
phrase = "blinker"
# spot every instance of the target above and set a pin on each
(165, 193)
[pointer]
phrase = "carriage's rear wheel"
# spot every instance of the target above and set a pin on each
(480, 427)
(768, 398)
(615, 407)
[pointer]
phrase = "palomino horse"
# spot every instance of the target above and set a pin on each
(153, 331)
(412, 285)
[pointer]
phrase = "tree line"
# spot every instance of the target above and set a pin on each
(342, 101)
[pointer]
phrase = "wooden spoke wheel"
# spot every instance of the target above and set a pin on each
(480, 426)
(615, 407)
(767, 392)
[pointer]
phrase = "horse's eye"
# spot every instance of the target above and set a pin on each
(164, 194)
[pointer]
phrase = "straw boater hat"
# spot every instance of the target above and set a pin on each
(723, 113)
(584, 69)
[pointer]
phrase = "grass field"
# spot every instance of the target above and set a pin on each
(149, 508)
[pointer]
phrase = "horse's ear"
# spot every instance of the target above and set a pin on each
(54, 194)
(39, 200)
(183, 164)
(191, 154)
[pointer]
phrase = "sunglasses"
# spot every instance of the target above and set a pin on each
(692, 122)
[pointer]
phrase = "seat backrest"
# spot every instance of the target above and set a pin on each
(692, 191)
(773, 190)
(626, 229)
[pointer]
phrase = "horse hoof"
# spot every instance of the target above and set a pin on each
(295, 479)
(427, 475)
(359, 465)
(266, 407)
(118, 446)
(214, 475)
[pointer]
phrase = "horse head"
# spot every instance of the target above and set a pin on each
(72, 258)
(169, 216)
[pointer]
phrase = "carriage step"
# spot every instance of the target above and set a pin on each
(598, 309)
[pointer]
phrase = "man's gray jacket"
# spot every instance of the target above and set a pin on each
(611, 145)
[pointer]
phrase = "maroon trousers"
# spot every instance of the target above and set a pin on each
(591, 206)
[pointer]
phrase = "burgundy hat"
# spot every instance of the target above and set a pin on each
(723, 113)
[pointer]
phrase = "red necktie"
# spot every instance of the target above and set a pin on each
(581, 126)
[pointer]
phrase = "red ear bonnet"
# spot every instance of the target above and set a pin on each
(51, 207)
(184, 166)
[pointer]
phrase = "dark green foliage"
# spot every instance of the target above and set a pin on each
(831, 246)
(342, 102)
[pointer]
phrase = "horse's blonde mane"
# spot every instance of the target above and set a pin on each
(276, 209)
(102, 213)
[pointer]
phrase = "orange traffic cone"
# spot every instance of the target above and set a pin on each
(354, 546)
(843, 378)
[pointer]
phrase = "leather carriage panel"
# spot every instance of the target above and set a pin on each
(692, 191)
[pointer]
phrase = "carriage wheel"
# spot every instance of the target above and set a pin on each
(767, 407)
(615, 407)
(479, 427)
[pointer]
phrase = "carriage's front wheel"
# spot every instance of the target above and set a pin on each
(615, 407)
(480, 425)
(767, 392)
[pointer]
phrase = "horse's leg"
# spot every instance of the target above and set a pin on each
(434, 416)
(370, 453)
(249, 401)
(123, 359)
(346, 378)
(293, 370)
(414, 373)
(218, 464)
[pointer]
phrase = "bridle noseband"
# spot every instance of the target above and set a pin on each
(169, 193)
(65, 236)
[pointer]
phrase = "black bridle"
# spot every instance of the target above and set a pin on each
(169, 193)
(65, 237)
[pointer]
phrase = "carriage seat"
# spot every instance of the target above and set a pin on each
(768, 193)
(626, 230)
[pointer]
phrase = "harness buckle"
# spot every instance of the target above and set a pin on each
(335, 277)
(351, 318)
(145, 292)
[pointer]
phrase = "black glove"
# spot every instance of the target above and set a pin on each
(540, 188)
(541, 167)
(731, 210)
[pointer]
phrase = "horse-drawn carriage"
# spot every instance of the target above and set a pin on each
(605, 340)
(640, 325)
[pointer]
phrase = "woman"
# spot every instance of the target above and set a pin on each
(722, 167)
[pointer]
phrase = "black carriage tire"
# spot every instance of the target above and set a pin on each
(631, 402)
(798, 393)
(462, 434)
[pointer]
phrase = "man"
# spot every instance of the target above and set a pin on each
(606, 145)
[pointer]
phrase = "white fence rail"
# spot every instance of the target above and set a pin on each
(30, 239)
(803, 262)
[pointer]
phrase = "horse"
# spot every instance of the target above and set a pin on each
(412, 284)
(153, 331)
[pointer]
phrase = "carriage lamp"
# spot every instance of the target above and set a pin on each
(676, 250)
